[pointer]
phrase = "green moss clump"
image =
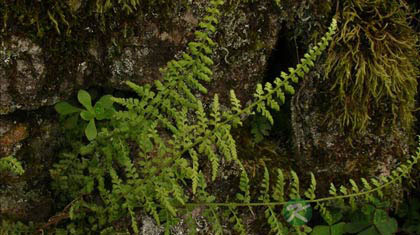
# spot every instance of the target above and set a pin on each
(64, 17)
(374, 67)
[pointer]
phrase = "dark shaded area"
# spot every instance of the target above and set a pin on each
(283, 56)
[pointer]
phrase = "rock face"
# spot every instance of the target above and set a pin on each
(353, 117)
(328, 151)
(34, 143)
(22, 71)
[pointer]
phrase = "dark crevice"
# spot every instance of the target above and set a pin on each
(283, 56)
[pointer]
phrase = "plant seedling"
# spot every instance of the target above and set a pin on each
(103, 109)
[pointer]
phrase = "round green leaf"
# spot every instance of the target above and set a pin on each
(321, 230)
(65, 108)
(106, 101)
(87, 115)
(84, 98)
(90, 130)
(338, 229)
(99, 111)
(359, 221)
(103, 108)
(385, 224)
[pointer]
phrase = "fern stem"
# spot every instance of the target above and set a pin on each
(247, 110)
(220, 124)
(234, 204)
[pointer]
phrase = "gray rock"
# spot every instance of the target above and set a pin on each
(329, 152)
(22, 74)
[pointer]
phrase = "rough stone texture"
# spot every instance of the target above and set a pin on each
(32, 75)
(328, 152)
(246, 37)
(33, 143)
(22, 71)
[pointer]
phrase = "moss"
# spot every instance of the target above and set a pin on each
(372, 66)
(67, 17)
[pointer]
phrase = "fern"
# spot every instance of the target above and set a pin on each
(363, 191)
(151, 155)
(153, 150)
(11, 164)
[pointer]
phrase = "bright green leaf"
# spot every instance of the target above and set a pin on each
(338, 229)
(65, 108)
(84, 98)
(321, 230)
(105, 101)
(385, 224)
(87, 115)
(90, 130)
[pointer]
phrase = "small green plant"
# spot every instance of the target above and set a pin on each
(335, 226)
(371, 220)
(103, 109)
(260, 128)
(11, 164)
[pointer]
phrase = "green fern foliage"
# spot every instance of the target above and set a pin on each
(354, 195)
(273, 95)
(12, 165)
(151, 155)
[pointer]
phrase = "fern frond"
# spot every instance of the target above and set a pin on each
(238, 224)
(281, 85)
(194, 175)
(244, 187)
(265, 186)
(310, 193)
(278, 194)
(275, 225)
(325, 213)
(294, 190)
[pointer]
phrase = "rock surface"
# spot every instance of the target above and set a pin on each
(34, 143)
(330, 153)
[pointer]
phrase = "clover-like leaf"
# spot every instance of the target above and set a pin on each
(321, 230)
(384, 224)
(103, 108)
(370, 231)
(105, 101)
(90, 130)
(65, 108)
(87, 115)
(84, 98)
